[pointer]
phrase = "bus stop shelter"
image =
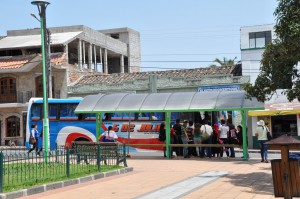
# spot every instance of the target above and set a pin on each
(167, 103)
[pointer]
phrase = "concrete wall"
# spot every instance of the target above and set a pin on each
(162, 84)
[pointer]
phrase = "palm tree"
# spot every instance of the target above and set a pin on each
(225, 62)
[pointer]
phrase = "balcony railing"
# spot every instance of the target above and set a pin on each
(8, 98)
(22, 97)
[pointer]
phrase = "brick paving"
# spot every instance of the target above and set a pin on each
(246, 179)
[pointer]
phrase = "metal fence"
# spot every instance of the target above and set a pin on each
(18, 168)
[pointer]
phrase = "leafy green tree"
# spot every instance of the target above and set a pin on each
(280, 59)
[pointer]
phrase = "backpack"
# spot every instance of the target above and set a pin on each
(162, 135)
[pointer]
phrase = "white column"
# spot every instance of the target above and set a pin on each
(95, 59)
(105, 61)
(66, 51)
(101, 62)
(79, 53)
(83, 50)
(122, 64)
(90, 56)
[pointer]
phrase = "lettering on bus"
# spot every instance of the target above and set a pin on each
(125, 128)
(149, 128)
(115, 127)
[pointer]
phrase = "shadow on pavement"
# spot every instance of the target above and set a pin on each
(259, 182)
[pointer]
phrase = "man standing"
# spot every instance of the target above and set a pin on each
(190, 133)
(185, 139)
(206, 132)
(177, 138)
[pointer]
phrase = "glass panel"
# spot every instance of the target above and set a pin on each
(90, 116)
(174, 116)
(36, 111)
(52, 111)
(268, 37)
(260, 35)
(260, 42)
(128, 116)
(116, 116)
(158, 116)
(67, 112)
(144, 116)
(284, 125)
(252, 43)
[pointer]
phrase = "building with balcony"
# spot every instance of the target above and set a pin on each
(76, 51)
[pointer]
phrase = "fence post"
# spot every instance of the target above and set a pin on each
(68, 162)
(124, 154)
(1, 172)
(98, 157)
(56, 155)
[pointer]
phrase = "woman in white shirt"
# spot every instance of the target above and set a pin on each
(110, 135)
(224, 129)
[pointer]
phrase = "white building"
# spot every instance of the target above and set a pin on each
(253, 43)
(283, 117)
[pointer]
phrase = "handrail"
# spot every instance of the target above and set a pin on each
(182, 145)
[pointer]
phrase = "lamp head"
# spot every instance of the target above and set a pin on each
(40, 3)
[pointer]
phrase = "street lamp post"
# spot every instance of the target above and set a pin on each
(42, 5)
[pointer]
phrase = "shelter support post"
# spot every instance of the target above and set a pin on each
(244, 135)
(168, 134)
(98, 125)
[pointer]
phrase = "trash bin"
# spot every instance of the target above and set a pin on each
(278, 178)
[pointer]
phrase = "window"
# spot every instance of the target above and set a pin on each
(67, 112)
(284, 124)
(8, 90)
(53, 111)
(36, 112)
(13, 126)
(259, 39)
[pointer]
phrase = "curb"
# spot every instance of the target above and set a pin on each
(61, 184)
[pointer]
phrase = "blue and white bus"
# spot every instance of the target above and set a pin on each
(65, 126)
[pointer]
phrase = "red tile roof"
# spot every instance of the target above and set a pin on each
(190, 74)
(13, 62)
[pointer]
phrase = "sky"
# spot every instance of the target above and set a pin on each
(175, 34)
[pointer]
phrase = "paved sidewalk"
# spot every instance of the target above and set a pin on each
(245, 179)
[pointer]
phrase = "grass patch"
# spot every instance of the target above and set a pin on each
(22, 175)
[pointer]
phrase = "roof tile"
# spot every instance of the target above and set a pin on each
(191, 74)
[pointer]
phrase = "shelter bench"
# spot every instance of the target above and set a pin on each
(101, 151)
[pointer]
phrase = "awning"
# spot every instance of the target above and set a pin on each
(273, 112)
(168, 102)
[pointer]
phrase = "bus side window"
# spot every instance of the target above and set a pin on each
(144, 116)
(116, 116)
(36, 111)
(157, 116)
(67, 112)
(174, 116)
(90, 117)
(52, 111)
(128, 116)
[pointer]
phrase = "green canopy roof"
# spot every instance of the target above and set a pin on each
(168, 102)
